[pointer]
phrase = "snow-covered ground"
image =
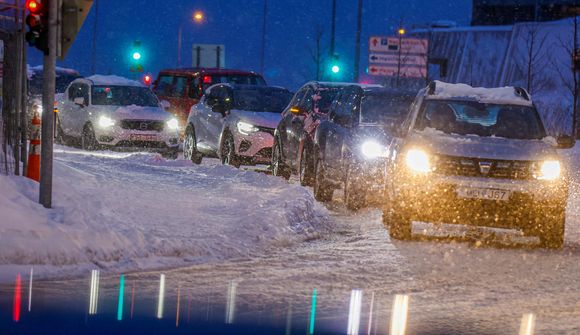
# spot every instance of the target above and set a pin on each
(124, 212)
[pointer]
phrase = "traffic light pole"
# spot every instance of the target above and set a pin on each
(48, 89)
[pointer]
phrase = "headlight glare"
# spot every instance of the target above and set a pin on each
(418, 161)
(106, 122)
(549, 170)
(372, 149)
(173, 124)
(246, 128)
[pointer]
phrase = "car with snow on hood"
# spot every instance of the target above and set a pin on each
(477, 156)
(235, 123)
(350, 146)
(117, 113)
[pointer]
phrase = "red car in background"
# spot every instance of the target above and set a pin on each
(183, 88)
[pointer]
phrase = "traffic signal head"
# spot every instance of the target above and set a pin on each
(335, 69)
(37, 22)
(136, 55)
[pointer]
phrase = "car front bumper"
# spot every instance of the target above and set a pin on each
(255, 148)
(435, 198)
(133, 140)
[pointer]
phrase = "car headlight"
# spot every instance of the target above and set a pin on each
(549, 170)
(173, 124)
(246, 128)
(418, 161)
(106, 122)
(37, 109)
(372, 149)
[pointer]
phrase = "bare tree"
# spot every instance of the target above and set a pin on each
(535, 43)
(568, 72)
(317, 53)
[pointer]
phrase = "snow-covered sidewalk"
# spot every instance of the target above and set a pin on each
(127, 212)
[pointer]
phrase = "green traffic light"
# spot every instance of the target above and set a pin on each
(136, 55)
(335, 69)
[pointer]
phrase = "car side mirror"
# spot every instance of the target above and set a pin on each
(165, 104)
(566, 142)
(297, 110)
(80, 101)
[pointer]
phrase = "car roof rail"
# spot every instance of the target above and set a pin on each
(431, 88)
(521, 92)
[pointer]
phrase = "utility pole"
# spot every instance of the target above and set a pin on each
(179, 44)
(357, 43)
(48, 89)
(264, 26)
(95, 26)
(333, 28)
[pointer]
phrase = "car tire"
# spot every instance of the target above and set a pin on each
(322, 191)
(228, 151)
(354, 195)
(551, 234)
(306, 173)
(398, 223)
(88, 139)
(190, 147)
(278, 167)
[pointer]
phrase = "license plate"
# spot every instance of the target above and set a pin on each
(143, 137)
(483, 193)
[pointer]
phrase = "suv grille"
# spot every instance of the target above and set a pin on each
(144, 125)
(485, 168)
(266, 130)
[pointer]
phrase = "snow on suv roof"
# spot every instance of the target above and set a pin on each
(113, 81)
(500, 95)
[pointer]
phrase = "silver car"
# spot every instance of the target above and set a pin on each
(479, 157)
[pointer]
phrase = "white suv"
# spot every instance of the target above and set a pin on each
(114, 112)
(480, 157)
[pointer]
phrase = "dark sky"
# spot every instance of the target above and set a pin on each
(238, 24)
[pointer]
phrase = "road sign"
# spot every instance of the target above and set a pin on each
(209, 55)
(398, 56)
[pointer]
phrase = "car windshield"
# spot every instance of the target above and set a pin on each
(384, 109)
(261, 100)
(238, 79)
(476, 118)
(61, 83)
(123, 96)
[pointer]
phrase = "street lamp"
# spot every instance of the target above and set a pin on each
(198, 17)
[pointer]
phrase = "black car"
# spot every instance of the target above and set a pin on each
(352, 144)
(293, 138)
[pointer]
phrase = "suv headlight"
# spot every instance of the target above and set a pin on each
(417, 161)
(173, 124)
(246, 128)
(106, 122)
(549, 170)
(372, 149)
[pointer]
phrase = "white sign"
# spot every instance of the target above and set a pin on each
(398, 57)
(209, 55)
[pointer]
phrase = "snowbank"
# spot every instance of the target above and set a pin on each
(134, 211)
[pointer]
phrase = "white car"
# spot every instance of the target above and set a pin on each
(235, 123)
(115, 112)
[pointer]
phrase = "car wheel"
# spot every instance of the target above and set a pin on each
(398, 223)
(88, 139)
(354, 195)
(278, 167)
(228, 151)
(322, 191)
(306, 167)
(190, 147)
(552, 233)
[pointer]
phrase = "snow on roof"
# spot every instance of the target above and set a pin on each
(501, 95)
(113, 81)
(39, 68)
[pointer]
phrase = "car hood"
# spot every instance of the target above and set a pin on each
(482, 147)
(379, 134)
(136, 113)
(262, 119)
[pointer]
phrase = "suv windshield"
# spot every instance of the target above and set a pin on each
(475, 118)
(261, 100)
(384, 109)
(123, 96)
